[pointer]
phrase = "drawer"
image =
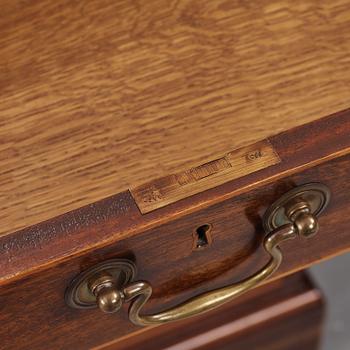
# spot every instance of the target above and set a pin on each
(165, 243)
(284, 315)
(156, 159)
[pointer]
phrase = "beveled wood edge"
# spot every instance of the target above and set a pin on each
(118, 217)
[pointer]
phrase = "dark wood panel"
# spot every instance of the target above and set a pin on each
(284, 315)
(164, 257)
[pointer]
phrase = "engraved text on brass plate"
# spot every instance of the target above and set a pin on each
(169, 189)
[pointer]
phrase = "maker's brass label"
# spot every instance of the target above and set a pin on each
(169, 189)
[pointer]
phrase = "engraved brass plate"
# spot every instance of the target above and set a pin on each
(169, 189)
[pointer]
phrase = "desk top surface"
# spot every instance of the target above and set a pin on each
(101, 96)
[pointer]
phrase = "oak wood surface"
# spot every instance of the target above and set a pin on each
(99, 96)
(284, 315)
(38, 263)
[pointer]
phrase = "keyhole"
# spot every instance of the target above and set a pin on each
(202, 236)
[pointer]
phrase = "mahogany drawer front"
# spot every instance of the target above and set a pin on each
(39, 263)
(283, 315)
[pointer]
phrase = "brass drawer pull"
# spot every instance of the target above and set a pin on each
(109, 285)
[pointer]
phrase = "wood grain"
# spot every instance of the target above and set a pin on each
(38, 263)
(99, 96)
(284, 315)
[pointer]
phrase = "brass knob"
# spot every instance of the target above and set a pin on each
(306, 224)
(108, 297)
(299, 212)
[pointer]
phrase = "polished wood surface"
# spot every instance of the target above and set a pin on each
(284, 315)
(38, 263)
(99, 96)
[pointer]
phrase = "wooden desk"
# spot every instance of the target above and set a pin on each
(99, 98)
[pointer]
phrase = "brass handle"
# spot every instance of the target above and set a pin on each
(140, 292)
(299, 221)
